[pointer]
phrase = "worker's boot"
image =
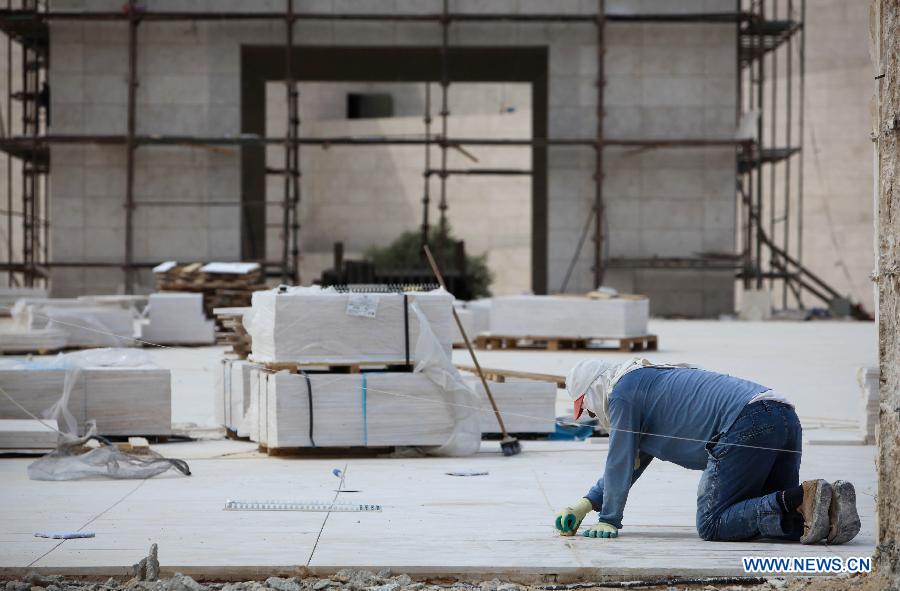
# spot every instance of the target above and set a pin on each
(842, 513)
(814, 508)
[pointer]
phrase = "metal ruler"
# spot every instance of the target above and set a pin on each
(323, 506)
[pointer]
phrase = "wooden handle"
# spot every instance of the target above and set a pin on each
(462, 331)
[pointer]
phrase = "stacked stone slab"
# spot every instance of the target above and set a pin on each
(381, 409)
(27, 434)
(83, 323)
(177, 319)
(302, 338)
(311, 325)
(869, 389)
(232, 400)
(122, 400)
(569, 317)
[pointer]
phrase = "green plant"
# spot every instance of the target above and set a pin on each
(405, 252)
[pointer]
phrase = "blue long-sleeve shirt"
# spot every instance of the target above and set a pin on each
(649, 408)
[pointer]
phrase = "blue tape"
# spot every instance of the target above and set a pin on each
(365, 387)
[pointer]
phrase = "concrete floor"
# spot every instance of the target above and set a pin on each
(814, 364)
(433, 523)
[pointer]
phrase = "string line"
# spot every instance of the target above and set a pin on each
(443, 402)
(572, 423)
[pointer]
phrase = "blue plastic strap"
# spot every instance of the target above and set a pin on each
(365, 387)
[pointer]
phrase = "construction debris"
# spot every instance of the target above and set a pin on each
(65, 535)
(223, 285)
(147, 579)
(147, 569)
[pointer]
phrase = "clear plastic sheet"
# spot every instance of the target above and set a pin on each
(462, 402)
(85, 323)
(70, 462)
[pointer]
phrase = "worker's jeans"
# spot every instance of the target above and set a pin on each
(749, 465)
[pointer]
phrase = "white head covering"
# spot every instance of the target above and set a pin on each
(596, 378)
(592, 378)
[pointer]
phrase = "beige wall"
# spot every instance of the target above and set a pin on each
(838, 234)
(190, 84)
(368, 196)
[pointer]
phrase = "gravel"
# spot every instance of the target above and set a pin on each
(147, 579)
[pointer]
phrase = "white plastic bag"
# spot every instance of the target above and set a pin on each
(70, 462)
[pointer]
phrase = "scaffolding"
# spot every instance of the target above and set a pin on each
(29, 156)
(773, 35)
(764, 32)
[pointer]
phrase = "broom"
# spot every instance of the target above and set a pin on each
(510, 445)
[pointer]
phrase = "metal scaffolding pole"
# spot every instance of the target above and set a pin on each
(757, 34)
(131, 145)
(789, 104)
(9, 170)
(386, 140)
(598, 149)
(800, 133)
(742, 180)
(773, 140)
(426, 196)
(760, 99)
(288, 270)
(26, 203)
(445, 112)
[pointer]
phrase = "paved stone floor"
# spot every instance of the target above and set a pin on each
(431, 522)
(434, 523)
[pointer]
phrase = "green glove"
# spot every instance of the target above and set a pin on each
(601, 530)
(568, 520)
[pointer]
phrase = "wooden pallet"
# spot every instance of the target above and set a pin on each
(232, 332)
(219, 290)
(326, 452)
(337, 367)
(26, 352)
(73, 349)
(233, 435)
(625, 344)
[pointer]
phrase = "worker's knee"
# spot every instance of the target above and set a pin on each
(707, 528)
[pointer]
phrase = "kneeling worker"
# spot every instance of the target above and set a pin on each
(745, 437)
